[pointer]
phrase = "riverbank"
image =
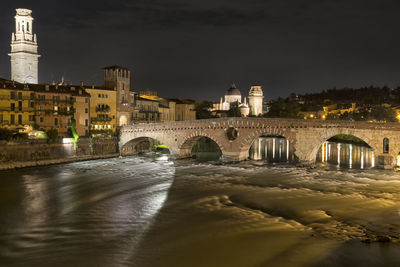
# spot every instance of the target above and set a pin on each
(33, 153)
(4, 166)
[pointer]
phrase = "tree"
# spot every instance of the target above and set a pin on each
(234, 110)
(381, 113)
(5, 134)
(52, 134)
(202, 110)
(284, 109)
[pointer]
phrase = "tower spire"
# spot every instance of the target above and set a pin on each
(24, 49)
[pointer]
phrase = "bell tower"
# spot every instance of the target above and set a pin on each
(118, 79)
(256, 100)
(24, 49)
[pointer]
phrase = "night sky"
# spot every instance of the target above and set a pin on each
(195, 49)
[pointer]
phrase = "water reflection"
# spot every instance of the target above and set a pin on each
(271, 149)
(346, 155)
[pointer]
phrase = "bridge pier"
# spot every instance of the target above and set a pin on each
(235, 156)
(184, 153)
(385, 162)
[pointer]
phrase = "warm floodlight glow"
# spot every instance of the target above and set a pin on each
(67, 140)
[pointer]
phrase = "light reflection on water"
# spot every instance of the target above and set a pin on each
(271, 149)
(139, 211)
(346, 155)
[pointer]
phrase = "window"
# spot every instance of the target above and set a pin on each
(31, 118)
(12, 118)
(86, 100)
(1, 117)
(56, 121)
(41, 119)
(19, 118)
(86, 122)
(20, 105)
(32, 104)
(106, 96)
(385, 145)
(12, 106)
(32, 95)
(13, 95)
(19, 95)
(99, 95)
(69, 121)
(86, 110)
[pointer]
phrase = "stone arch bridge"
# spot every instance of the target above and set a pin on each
(305, 136)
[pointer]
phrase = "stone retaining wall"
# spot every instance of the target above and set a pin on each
(34, 152)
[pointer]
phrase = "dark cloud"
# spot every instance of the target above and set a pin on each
(196, 48)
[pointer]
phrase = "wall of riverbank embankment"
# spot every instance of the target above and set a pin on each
(30, 153)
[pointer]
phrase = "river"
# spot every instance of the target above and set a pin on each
(150, 211)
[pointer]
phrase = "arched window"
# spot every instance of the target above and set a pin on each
(385, 145)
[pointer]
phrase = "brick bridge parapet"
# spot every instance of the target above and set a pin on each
(305, 136)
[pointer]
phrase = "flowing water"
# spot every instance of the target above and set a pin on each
(140, 211)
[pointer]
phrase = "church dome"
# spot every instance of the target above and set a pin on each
(233, 91)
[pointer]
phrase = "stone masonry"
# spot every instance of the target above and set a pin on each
(306, 136)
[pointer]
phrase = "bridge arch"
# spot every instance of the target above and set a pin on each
(325, 137)
(253, 136)
(185, 147)
(131, 147)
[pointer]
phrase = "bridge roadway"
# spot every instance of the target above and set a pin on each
(305, 136)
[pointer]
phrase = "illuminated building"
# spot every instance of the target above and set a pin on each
(184, 109)
(17, 105)
(118, 79)
(103, 109)
(56, 106)
(234, 97)
(256, 100)
(24, 49)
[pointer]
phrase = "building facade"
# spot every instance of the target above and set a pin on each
(56, 107)
(256, 100)
(118, 78)
(103, 110)
(184, 109)
(17, 105)
(233, 98)
(24, 49)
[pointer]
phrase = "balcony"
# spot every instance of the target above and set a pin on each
(16, 109)
(94, 120)
(105, 109)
